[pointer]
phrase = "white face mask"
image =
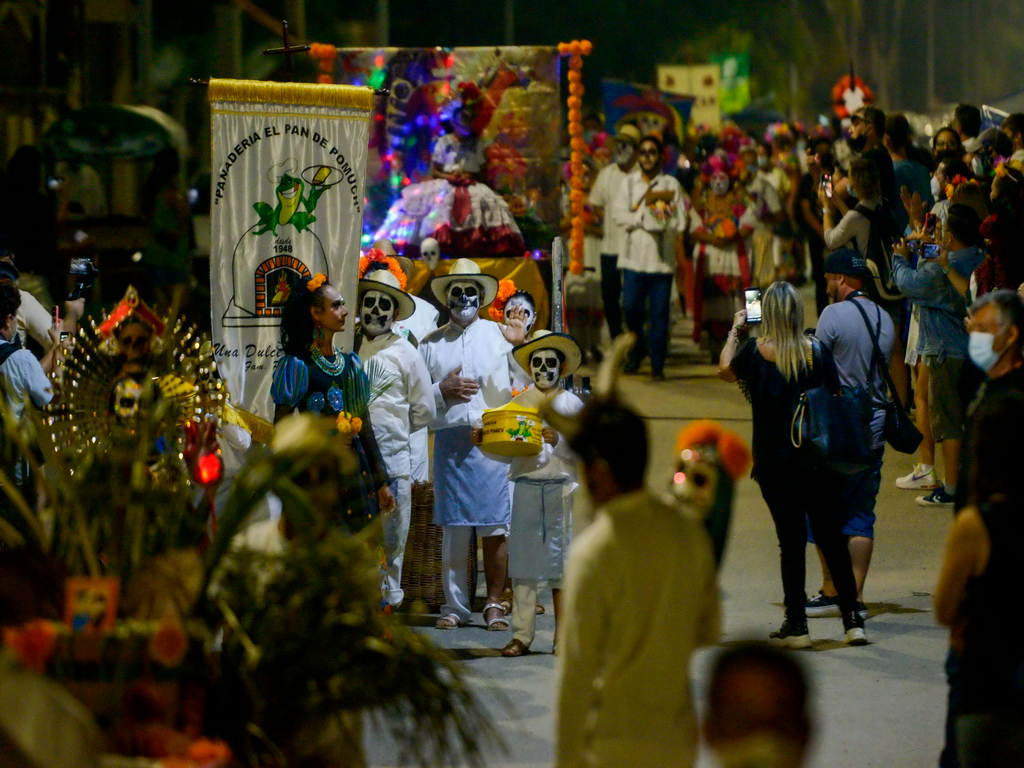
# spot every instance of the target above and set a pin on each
(431, 253)
(979, 349)
(464, 301)
(519, 301)
(545, 367)
(377, 313)
(719, 184)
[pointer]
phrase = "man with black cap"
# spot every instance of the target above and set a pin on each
(842, 328)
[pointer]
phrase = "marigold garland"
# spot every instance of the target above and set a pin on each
(576, 50)
(348, 424)
(378, 256)
(316, 281)
(505, 290)
(325, 55)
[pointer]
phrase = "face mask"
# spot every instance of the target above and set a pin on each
(936, 189)
(377, 313)
(623, 154)
(431, 252)
(464, 301)
(719, 184)
(857, 143)
(545, 367)
(979, 348)
(763, 161)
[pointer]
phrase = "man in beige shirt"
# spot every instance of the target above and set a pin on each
(640, 597)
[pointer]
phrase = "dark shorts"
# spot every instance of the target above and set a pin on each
(859, 494)
(945, 407)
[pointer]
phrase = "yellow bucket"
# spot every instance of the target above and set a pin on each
(512, 431)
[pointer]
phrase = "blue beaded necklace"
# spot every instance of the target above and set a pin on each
(330, 367)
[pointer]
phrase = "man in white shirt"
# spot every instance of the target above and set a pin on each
(653, 210)
(22, 375)
(602, 194)
(405, 405)
(469, 365)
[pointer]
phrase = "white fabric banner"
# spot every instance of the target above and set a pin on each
(288, 168)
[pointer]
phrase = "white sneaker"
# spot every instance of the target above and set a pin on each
(918, 480)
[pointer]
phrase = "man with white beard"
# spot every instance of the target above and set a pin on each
(469, 365)
(405, 405)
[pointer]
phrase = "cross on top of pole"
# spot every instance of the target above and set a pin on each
(287, 51)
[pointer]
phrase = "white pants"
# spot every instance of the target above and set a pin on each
(454, 551)
(524, 608)
(396, 534)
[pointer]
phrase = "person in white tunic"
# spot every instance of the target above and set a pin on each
(405, 404)
(640, 597)
(468, 363)
(542, 487)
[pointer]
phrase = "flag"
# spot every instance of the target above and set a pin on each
(734, 81)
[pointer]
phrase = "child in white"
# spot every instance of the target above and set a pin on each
(543, 488)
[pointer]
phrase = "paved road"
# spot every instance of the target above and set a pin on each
(878, 705)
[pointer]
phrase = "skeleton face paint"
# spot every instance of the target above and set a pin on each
(545, 368)
(519, 301)
(431, 253)
(719, 184)
(464, 301)
(377, 312)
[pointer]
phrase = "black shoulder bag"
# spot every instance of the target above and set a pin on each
(832, 429)
(900, 431)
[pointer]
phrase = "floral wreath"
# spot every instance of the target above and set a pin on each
(376, 255)
(505, 290)
(721, 162)
(956, 182)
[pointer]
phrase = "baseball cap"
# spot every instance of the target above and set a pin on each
(846, 261)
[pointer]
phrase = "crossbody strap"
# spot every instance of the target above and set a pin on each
(879, 357)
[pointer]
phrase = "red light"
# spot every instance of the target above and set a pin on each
(208, 469)
(679, 478)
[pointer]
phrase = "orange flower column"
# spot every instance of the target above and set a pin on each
(576, 50)
(325, 56)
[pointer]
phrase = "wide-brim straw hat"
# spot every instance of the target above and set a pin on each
(465, 269)
(382, 280)
(548, 340)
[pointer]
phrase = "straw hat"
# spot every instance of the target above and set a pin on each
(465, 269)
(382, 280)
(547, 340)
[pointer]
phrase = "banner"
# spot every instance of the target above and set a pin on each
(645, 107)
(288, 169)
(734, 85)
(699, 81)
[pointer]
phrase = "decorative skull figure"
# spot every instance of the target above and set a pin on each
(430, 250)
(525, 301)
(377, 313)
(464, 301)
(125, 399)
(696, 478)
(546, 368)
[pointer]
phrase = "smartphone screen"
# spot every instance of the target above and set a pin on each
(64, 335)
(826, 183)
(930, 222)
(930, 251)
(752, 297)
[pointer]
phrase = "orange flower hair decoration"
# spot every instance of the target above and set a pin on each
(376, 255)
(955, 182)
(316, 282)
(505, 290)
(733, 452)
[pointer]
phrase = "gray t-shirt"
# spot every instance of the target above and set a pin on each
(842, 329)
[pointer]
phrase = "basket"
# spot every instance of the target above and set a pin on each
(421, 570)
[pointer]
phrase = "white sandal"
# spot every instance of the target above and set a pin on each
(451, 621)
(499, 619)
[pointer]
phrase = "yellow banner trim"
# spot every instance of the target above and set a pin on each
(260, 429)
(306, 94)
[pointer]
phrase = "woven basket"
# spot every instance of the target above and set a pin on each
(421, 570)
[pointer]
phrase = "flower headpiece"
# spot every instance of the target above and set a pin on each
(381, 259)
(720, 162)
(955, 182)
(732, 451)
(732, 138)
(316, 281)
(778, 131)
(506, 288)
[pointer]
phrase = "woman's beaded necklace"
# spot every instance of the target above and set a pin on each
(330, 367)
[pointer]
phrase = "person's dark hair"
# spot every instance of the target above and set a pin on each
(819, 146)
(954, 165)
(521, 294)
(946, 129)
(615, 434)
(1007, 303)
(865, 178)
(1014, 123)
(25, 169)
(964, 223)
(166, 165)
(997, 460)
(968, 117)
(876, 118)
(296, 321)
(10, 299)
(827, 161)
(657, 142)
(897, 128)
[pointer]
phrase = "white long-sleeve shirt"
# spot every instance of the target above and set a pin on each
(607, 185)
(640, 597)
(554, 462)
(482, 351)
(421, 323)
(650, 242)
(405, 406)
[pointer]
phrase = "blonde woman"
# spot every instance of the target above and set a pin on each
(773, 370)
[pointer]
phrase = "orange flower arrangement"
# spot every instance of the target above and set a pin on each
(348, 424)
(169, 644)
(316, 281)
(732, 450)
(33, 643)
(576, 50)
(326, 55)
(960, 179)
(378, 256)
(497, 309)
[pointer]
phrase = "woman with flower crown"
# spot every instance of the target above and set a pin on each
(315, 376)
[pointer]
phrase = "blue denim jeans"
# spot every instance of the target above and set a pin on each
(645, 296)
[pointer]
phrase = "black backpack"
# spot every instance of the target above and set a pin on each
(878, 254)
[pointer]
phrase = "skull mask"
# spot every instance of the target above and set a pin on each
(696, 479)
(545, 367)
(127, 393)
(464, 301)
(522, 301)
(377, 313)
(431, 252)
